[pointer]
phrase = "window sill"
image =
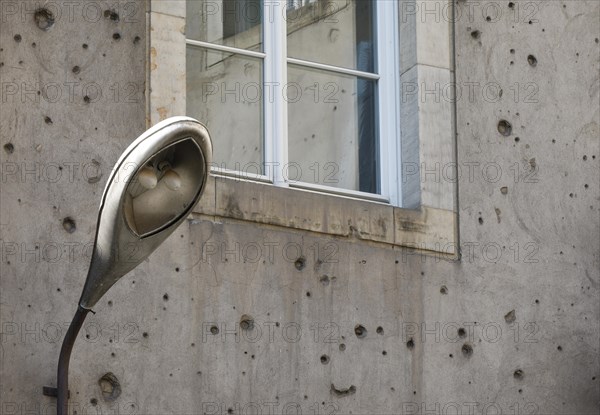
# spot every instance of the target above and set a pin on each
(426, 229)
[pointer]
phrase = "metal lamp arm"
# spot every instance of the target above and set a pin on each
(62, 406)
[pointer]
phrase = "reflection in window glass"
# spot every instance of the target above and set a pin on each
(235, 23)
(338, 33)
(332, 131)
(224, 90)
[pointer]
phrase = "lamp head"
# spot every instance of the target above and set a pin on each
(152, 188)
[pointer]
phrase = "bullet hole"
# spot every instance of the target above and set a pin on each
(504, 128)
(166, 297)
(324, 359)
(214, 330)
(34, 45)
(520, 390)
(9, 148)
(95, 178)
(443, 290)
(110, 387)
(85, 46)
(410, 344)
(136, 40)
(360, 331)
(117, 36)
(462, 332)
(86, 99)
(537, 301)
(475, 34)
(510, 317)
(584, 158)
(342, 347)
(145, 335)
(112, 354)
(596, 40)
(94, 401)
(343, 392)
(467, 350)
(58, 290)
(17, 38)
(532, 61)
(518, 374)
(384, 353)
(450, 355)
(69, 224)
(570, 194)
(110, 303)
(177, 269)
(488, 19)
(300, 263)
(112, 15)
(247, 322)
(379, 330)
(76, 69)
(48, 120)
(324, 280)
(586, 186)
(512, 51)
(480, 220)
(559, 348)
(517, 139)
(511, 5)
(44, 18)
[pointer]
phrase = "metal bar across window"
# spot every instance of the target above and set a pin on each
(322, 66)
(223, 48)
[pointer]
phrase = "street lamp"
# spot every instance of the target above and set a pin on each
(152, 188)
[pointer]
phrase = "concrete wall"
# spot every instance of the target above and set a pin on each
(233, 315)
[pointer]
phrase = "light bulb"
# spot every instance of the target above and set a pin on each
(147, 177)
(172, 180)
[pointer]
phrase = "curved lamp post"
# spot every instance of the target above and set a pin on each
(152, 188)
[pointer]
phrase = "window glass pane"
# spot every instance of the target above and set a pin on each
(224, 91)
(338, 32)
(235, 23)
(332, 130)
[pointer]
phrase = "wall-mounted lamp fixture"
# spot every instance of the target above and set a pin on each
(152, 188)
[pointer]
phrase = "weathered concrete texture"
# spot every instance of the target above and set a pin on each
(72, 100)
(546, 222)
(211, 321)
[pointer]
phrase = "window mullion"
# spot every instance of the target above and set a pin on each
(275, 79)
(389, 109)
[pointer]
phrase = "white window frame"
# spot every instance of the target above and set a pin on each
(275, 110)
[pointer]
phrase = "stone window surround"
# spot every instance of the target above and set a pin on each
(428, 222)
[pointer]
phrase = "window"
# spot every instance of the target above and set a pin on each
(299, 93)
